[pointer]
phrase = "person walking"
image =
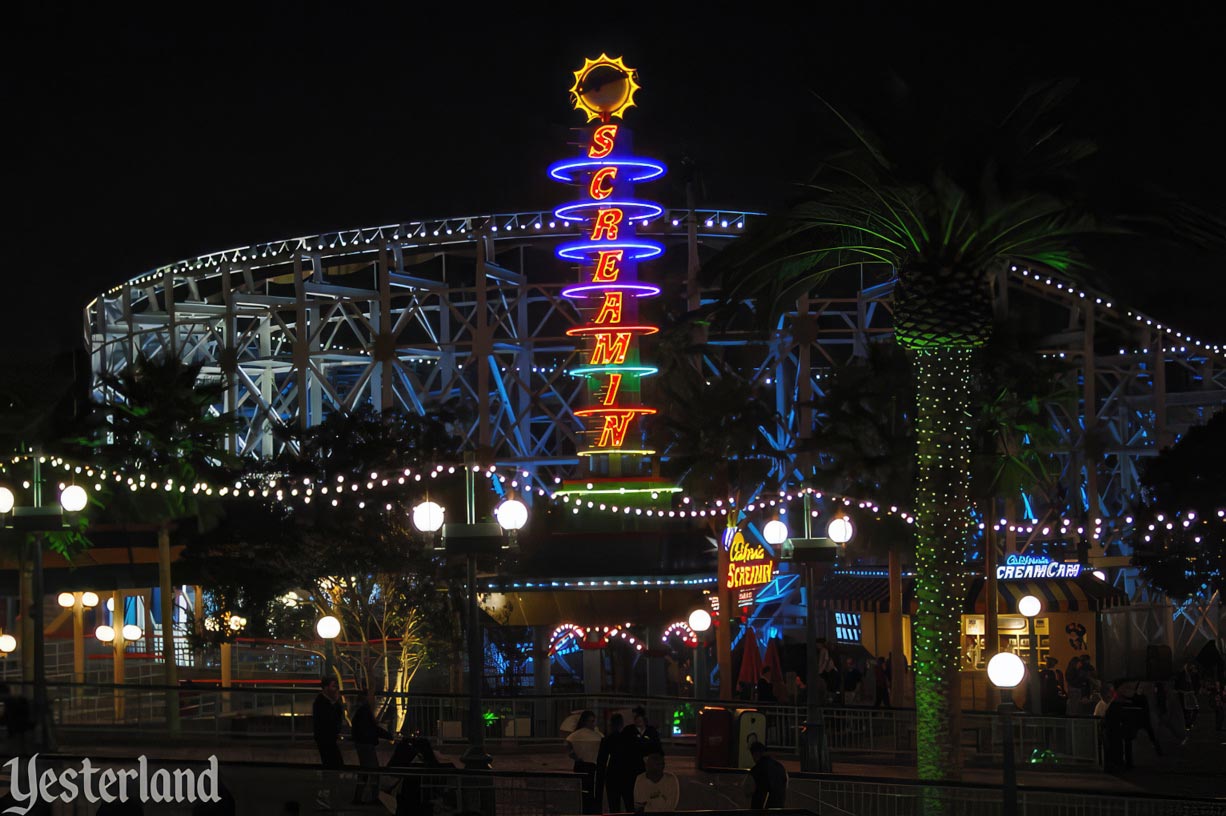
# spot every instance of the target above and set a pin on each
(583, 746)
(327, 719)
(366, 734)
(767, 783)
(656, 790)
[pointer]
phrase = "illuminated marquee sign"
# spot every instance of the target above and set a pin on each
(749, 565)
(607, 252)
(1022, 567)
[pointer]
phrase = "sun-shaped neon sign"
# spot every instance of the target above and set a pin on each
(604, 87)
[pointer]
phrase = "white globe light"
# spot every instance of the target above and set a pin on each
(1099, 574)
(89, 599)
(1029, 606)
(840, 530)
(105, 634)
(700, 620)
(1006, 670)
(110, 604)
(511, 514)
(132, 632)
(74, 498)
(428, 517)
(65, 599)
(775, 532)
(328, 627)
(7, 643)
(7, 500)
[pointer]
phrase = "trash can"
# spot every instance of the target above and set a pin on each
(715, 747)
(750, 728)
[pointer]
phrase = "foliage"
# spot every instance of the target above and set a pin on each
(1180, 539)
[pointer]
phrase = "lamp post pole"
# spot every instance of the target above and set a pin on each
(1005, 671)
(474, 756)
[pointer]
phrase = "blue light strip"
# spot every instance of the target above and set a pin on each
(634, 210)
(589, 251)
(602, 583)
(564, 170)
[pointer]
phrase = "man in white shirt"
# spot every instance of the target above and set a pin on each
(656, 790)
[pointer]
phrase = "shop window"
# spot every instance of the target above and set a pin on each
(847, 627)
(1013, 636)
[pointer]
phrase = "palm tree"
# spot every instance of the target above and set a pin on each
(945, 224)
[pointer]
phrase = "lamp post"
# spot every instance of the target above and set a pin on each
(329, 627)
(700, 623)
(78, 602)
(1006, 670)
(817, 555)
(8, 644)
(38, 520)
(1029, 607)
(117, 637)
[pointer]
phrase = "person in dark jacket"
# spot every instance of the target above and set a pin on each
(613, 763)
(640, 739)
(769, 779)
(366, 734)
(327, 718)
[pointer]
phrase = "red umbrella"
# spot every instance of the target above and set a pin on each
(771, 661)
(751, 659)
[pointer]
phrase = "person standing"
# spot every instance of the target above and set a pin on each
(656, 790)
(767, 783)
(366, 734)
(583, 746)
(612, 763)
(327, 718)
(1053, 696)
(881, 677)
(766, 687)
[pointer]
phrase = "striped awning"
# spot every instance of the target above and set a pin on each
(871, 593)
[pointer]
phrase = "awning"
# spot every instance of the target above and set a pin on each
(851, 592)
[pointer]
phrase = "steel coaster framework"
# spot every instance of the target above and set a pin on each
(465, 313)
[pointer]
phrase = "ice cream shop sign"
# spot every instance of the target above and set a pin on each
(1028, 567)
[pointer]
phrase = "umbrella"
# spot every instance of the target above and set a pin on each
(751, 659)
(771, 661)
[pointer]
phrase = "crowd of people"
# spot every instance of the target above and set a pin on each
(624, 767)
(839, 682)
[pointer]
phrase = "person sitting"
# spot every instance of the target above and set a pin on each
(656, 790)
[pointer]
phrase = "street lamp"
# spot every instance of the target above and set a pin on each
(840, 529)
(1029, 607)
(7, 644)
(775, 532)
(700, 622)
(329, 627)
(117, 638)
(1006, 670)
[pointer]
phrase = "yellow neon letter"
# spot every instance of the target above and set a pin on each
(606, 224)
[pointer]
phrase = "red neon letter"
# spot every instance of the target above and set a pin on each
(611, 309)
(602, 141)
(610, 348)
(606, 266)
(610, 391)
(613, 434)
(596, 188)
(606, 224)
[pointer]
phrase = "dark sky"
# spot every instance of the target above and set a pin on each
(136, 138)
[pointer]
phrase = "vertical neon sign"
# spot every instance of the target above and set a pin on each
(608, 253)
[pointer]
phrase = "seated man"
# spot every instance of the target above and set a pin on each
(656, 790)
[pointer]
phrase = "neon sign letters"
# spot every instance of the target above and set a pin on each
(607, 254)
(1021, 567)
(749, 565)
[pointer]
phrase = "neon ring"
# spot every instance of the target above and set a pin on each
(598, 289)
(598, 451)
(568, 171)
(613, 410)
(588, 371)
(634, 210)
(590, 250)
(600, 329)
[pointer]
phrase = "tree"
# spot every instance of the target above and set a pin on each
(945, 221)
(1180, 537)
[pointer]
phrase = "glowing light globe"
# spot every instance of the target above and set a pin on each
(1006, 670)
(105, 634)
(7, 500)
(1099, 574)
(1029, 606)
(840, 530)
(7, 643)
(428, 517)
(775, 532)
(132, 632)
(328, 627)
(511, 514)
(74, 498)
(65, 600)
(89, 599)
(700, 620)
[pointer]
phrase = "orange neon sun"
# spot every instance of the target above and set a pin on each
(604, 87)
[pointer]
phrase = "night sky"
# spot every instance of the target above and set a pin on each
(139, 138)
